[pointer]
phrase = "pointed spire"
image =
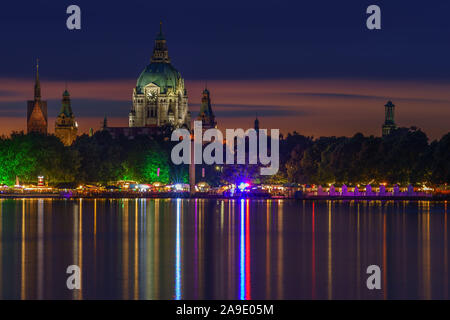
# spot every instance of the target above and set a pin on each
(37, 85)
(105, 122)
(160, 35)
(206, 91)
(160, 52)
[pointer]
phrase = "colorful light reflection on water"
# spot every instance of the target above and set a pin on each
(222, 249)
(178, 254)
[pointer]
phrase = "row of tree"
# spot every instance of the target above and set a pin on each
(405, 156)
(97, 159)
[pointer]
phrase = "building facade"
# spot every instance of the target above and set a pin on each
(66, 128)
(389, 122)
(160, 98)
(37, 110)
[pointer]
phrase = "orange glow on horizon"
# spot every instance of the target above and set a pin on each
(313, 107)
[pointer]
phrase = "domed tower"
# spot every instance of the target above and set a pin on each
(66, 128)
(160, 97)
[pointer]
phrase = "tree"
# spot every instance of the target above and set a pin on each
(155, 159)
(402, 153)
(441, 161)
(101, 156)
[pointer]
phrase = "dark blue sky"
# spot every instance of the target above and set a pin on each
(229, 39)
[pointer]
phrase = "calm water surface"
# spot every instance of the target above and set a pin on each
(223, 249)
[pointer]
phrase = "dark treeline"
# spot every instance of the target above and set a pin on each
(404, 157)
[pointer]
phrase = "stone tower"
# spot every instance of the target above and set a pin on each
(160, 98)
(66, 128)
(389, 122)
(206, 115)
(37, 109)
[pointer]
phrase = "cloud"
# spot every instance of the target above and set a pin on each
(8, 93)
(11, 112)
(15, 90)
(80, 107)
(243, 110)
(365, 97)
(100, 108)
(311, 106)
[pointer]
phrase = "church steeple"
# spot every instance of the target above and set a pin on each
(37, 109)
(37, 85)
(206, 114)
(66, 128)
(160, 51)
(206, 104)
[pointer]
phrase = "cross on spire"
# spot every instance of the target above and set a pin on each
(37, 85)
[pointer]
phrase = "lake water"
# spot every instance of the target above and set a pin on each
(223, 249)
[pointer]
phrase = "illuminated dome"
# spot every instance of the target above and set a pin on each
(159, 98)
(164, 75)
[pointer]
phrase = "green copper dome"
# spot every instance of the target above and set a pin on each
(164, 75)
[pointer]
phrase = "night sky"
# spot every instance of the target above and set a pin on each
(309, 66)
